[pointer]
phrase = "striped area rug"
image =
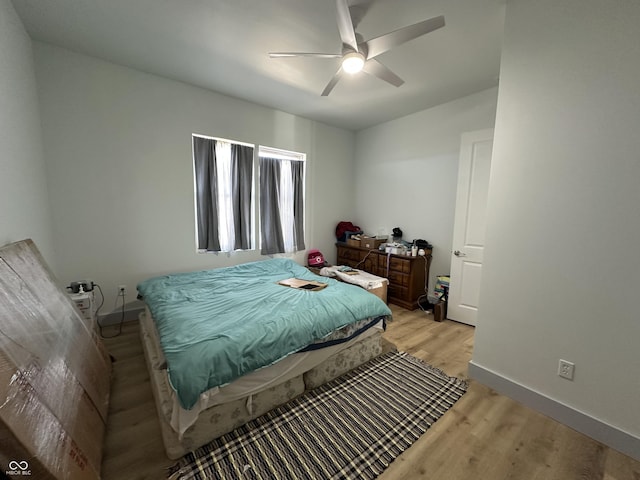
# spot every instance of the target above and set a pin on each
(352, 427)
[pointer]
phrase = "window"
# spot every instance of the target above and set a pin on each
(223, 172)
(281, 201)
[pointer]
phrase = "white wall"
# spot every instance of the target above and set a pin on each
(24, 209)
(407, 173)
(118, 145)
(562, 275)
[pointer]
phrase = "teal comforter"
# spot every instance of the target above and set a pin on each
(217, 325)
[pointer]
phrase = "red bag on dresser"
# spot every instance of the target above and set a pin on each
(343, 228)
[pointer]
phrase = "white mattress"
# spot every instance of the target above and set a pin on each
(247, 385)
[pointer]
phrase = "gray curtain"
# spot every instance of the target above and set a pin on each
(241, 184)
(204, 158)
(271, 229)
(297, 172)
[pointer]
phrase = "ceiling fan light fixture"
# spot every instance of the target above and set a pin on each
(353, 62)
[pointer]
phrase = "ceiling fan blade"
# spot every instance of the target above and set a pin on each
(345, 25)
(357, 10)
(386, 42)
(375, 68)
(332, 83)
(304, 54)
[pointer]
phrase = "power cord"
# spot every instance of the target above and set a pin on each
(100, 326)
(426, 287)
(101, 296)
(365, 257)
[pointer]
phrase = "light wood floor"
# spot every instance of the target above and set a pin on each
(484, 436)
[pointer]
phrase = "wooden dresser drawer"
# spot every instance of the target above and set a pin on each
(397, 264)
(348, 254)
(400, 265)
(369, 264)
(400, 293)
(400, 279)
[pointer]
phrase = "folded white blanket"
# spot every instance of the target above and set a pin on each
(361, 278)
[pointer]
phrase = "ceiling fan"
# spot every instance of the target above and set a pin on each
(358, 55)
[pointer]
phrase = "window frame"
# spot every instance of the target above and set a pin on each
(264, 151)
(253, 206)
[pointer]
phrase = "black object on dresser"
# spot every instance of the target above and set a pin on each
(408, 276)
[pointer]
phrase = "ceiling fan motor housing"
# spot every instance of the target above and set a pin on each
(353, 62)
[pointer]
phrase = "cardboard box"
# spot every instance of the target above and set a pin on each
(54, 375)
(380, 292)
(53, 436)
(372, 243)
(440, 311)
(354, 242)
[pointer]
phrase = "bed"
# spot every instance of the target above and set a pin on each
(224, 346)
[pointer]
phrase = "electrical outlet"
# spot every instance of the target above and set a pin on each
(565, 369)
(122, 290)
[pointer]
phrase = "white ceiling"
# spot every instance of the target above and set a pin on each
(222, 45)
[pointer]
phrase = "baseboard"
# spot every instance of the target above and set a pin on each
(114, 318)
(602, 432)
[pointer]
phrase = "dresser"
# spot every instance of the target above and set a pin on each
(407, 276)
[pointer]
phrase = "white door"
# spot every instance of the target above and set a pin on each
(469, 225)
